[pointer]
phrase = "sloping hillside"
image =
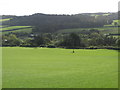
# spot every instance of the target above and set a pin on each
(53, 23)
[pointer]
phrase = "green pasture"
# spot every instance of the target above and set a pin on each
(27, 30)
(103, 30)
(4, 28)
(59, 68)
(0, 68)
(7, 19)
(114, 23)
(14, 27)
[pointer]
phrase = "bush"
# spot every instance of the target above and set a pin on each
(51, 46)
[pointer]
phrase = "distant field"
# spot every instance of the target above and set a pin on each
(59, 68)
(112, 31)
(104, 30)
(3, 26)
(27, 30)
(117, 21)
(7, 29)
(14, 27)
(7, 19)
(114, 23)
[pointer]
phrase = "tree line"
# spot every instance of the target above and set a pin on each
(60, 40)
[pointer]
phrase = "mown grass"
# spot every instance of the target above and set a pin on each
(0, 68)
(59, 68)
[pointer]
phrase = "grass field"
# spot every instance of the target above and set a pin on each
(3, 20)
(59, 68)
(27, 30)
(8, 29)
(14, 27)
(0, 68)
(103, 30)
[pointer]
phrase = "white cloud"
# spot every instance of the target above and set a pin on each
(26, 7)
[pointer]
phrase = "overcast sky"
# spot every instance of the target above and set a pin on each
(28, 7)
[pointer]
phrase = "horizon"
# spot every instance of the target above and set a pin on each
(29, 7)
(59, 14)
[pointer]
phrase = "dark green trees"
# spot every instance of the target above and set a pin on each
(71, 41)
(37, 41)
(11, 40)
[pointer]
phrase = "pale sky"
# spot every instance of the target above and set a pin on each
(28, 7)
